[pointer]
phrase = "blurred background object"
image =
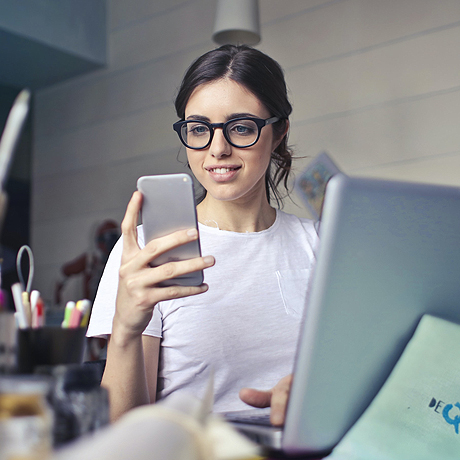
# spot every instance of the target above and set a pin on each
(86, 269)
(237, 22)
(9, 141)
(89, 265)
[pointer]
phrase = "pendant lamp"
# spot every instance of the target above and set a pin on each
(237, 22)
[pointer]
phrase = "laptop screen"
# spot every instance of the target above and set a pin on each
(389, 253)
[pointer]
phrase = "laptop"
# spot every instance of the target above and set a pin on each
(389, 252)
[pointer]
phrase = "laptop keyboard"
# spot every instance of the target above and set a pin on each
(251, 416)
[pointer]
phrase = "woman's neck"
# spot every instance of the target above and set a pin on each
(236, 216)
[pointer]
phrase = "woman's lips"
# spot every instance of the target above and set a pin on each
(223, 173)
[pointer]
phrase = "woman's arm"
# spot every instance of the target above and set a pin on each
(151, 358)
(130, 382)
(130, 373)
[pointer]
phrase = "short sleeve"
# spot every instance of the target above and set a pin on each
(103, 310)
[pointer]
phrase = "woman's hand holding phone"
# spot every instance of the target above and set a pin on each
(139, 288)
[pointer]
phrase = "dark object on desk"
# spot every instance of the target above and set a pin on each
(49, 346)
(80, 404)
(98, 365)
(278, 455)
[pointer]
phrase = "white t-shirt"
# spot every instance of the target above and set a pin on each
(244, 327)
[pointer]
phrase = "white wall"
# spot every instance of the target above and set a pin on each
(376, 83)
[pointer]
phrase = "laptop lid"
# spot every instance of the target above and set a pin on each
(389, 253)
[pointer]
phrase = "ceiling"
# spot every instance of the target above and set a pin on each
(45, 42)
(29, 63)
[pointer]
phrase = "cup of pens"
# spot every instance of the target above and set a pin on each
(49, 346)
(39, 345)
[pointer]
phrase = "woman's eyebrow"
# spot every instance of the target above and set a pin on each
(198, 117)
(241, 115)
(229, 117)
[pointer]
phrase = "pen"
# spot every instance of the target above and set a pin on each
(38, 319)
(34, 295)
(68, 313)
(85, 308)
(40, 312)
(37, 308)
(75, 316)
(20, 315)
(26, 303)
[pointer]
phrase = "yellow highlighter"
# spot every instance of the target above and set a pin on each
(85, 307)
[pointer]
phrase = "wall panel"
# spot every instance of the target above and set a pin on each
(375, 83)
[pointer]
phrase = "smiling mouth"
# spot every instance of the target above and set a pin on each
(221, 170)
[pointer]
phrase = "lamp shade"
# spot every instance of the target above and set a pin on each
(237, 22)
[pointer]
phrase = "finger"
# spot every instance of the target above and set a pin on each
(155, 276)
(278, 407)
(151, 277)
(129, 224)
(175, 292)
(255, 398)
(148, 281)
(159, 246)
(279, 401)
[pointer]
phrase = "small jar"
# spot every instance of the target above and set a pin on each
(26, 419)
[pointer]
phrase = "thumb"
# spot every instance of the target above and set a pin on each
(129, 225)
(256, 398)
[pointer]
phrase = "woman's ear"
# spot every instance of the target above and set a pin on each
(277, 139)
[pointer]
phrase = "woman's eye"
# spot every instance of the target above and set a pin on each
(242, 130)
(198, 130)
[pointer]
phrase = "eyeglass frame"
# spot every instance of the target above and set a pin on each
(260, 123)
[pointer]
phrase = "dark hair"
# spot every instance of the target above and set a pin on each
(264, 78)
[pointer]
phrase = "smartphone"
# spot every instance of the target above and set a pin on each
(169, 205)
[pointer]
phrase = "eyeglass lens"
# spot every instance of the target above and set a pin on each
(241, 133)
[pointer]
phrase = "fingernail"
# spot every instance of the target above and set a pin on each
(192, 232)
(208, 259)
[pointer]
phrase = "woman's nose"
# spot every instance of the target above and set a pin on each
(219, 146)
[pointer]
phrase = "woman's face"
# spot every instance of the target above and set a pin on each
(226, 172)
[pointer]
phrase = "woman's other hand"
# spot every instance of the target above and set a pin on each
(276, 398)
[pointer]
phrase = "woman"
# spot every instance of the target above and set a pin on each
(243, 324)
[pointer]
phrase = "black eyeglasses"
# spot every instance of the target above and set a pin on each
(240, 132)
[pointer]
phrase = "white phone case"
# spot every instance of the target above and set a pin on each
(169, 205)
